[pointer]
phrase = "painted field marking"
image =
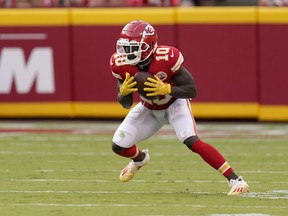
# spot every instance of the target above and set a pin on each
(58, 180)
(208, 130)
(80, 154)
(149, 171)
(141, 181)
(248, 214)
(104, 192)
(144, 205)
(106, 181)
(275, 194)
(271, 194)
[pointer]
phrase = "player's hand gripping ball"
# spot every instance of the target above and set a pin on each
(157, 87)
(128, 86)
(141, 78)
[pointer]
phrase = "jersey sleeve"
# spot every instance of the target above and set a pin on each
(175, 59)
(118, 74)
(118, 69)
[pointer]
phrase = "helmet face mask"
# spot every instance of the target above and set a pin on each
(137, 42)
(131, 50)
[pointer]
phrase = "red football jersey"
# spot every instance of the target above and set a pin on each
(165, 63)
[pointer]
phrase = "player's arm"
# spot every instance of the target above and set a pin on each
(125, 101)
(184, 84)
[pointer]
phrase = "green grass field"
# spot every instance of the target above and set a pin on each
(68, 169)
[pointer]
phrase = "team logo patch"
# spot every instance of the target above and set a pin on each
(162, 75)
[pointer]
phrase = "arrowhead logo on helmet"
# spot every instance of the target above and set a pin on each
(149, 30)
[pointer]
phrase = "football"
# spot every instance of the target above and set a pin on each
(141, 78)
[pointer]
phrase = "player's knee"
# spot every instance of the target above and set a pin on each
(190, 141)
(116, 148)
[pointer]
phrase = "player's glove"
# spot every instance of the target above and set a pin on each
(158, 87)
(127, 86)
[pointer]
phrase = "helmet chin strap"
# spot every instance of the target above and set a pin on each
(145, 62)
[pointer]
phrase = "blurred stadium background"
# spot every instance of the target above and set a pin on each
(54, 58)
(124, 3)
(54, 66)
(141, 3)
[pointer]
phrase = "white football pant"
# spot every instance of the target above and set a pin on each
(141, 123)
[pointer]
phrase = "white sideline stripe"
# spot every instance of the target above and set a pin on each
(248, 214)
(268, 195)
(168, 171)
(23, 36)
(106, 181)
(57, 180)
(108, 154)
(104, 192)
(93, 154)
(53, 153)
(144, 205)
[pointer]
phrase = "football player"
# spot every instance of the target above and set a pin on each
(172, 88)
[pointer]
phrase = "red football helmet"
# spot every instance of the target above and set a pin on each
(137, 41)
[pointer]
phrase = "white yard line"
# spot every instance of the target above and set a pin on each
(153, 171)
(107, 181)
(103, 192)
(145, 205)
(247, 214)
(284, 154)
(273, 194)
